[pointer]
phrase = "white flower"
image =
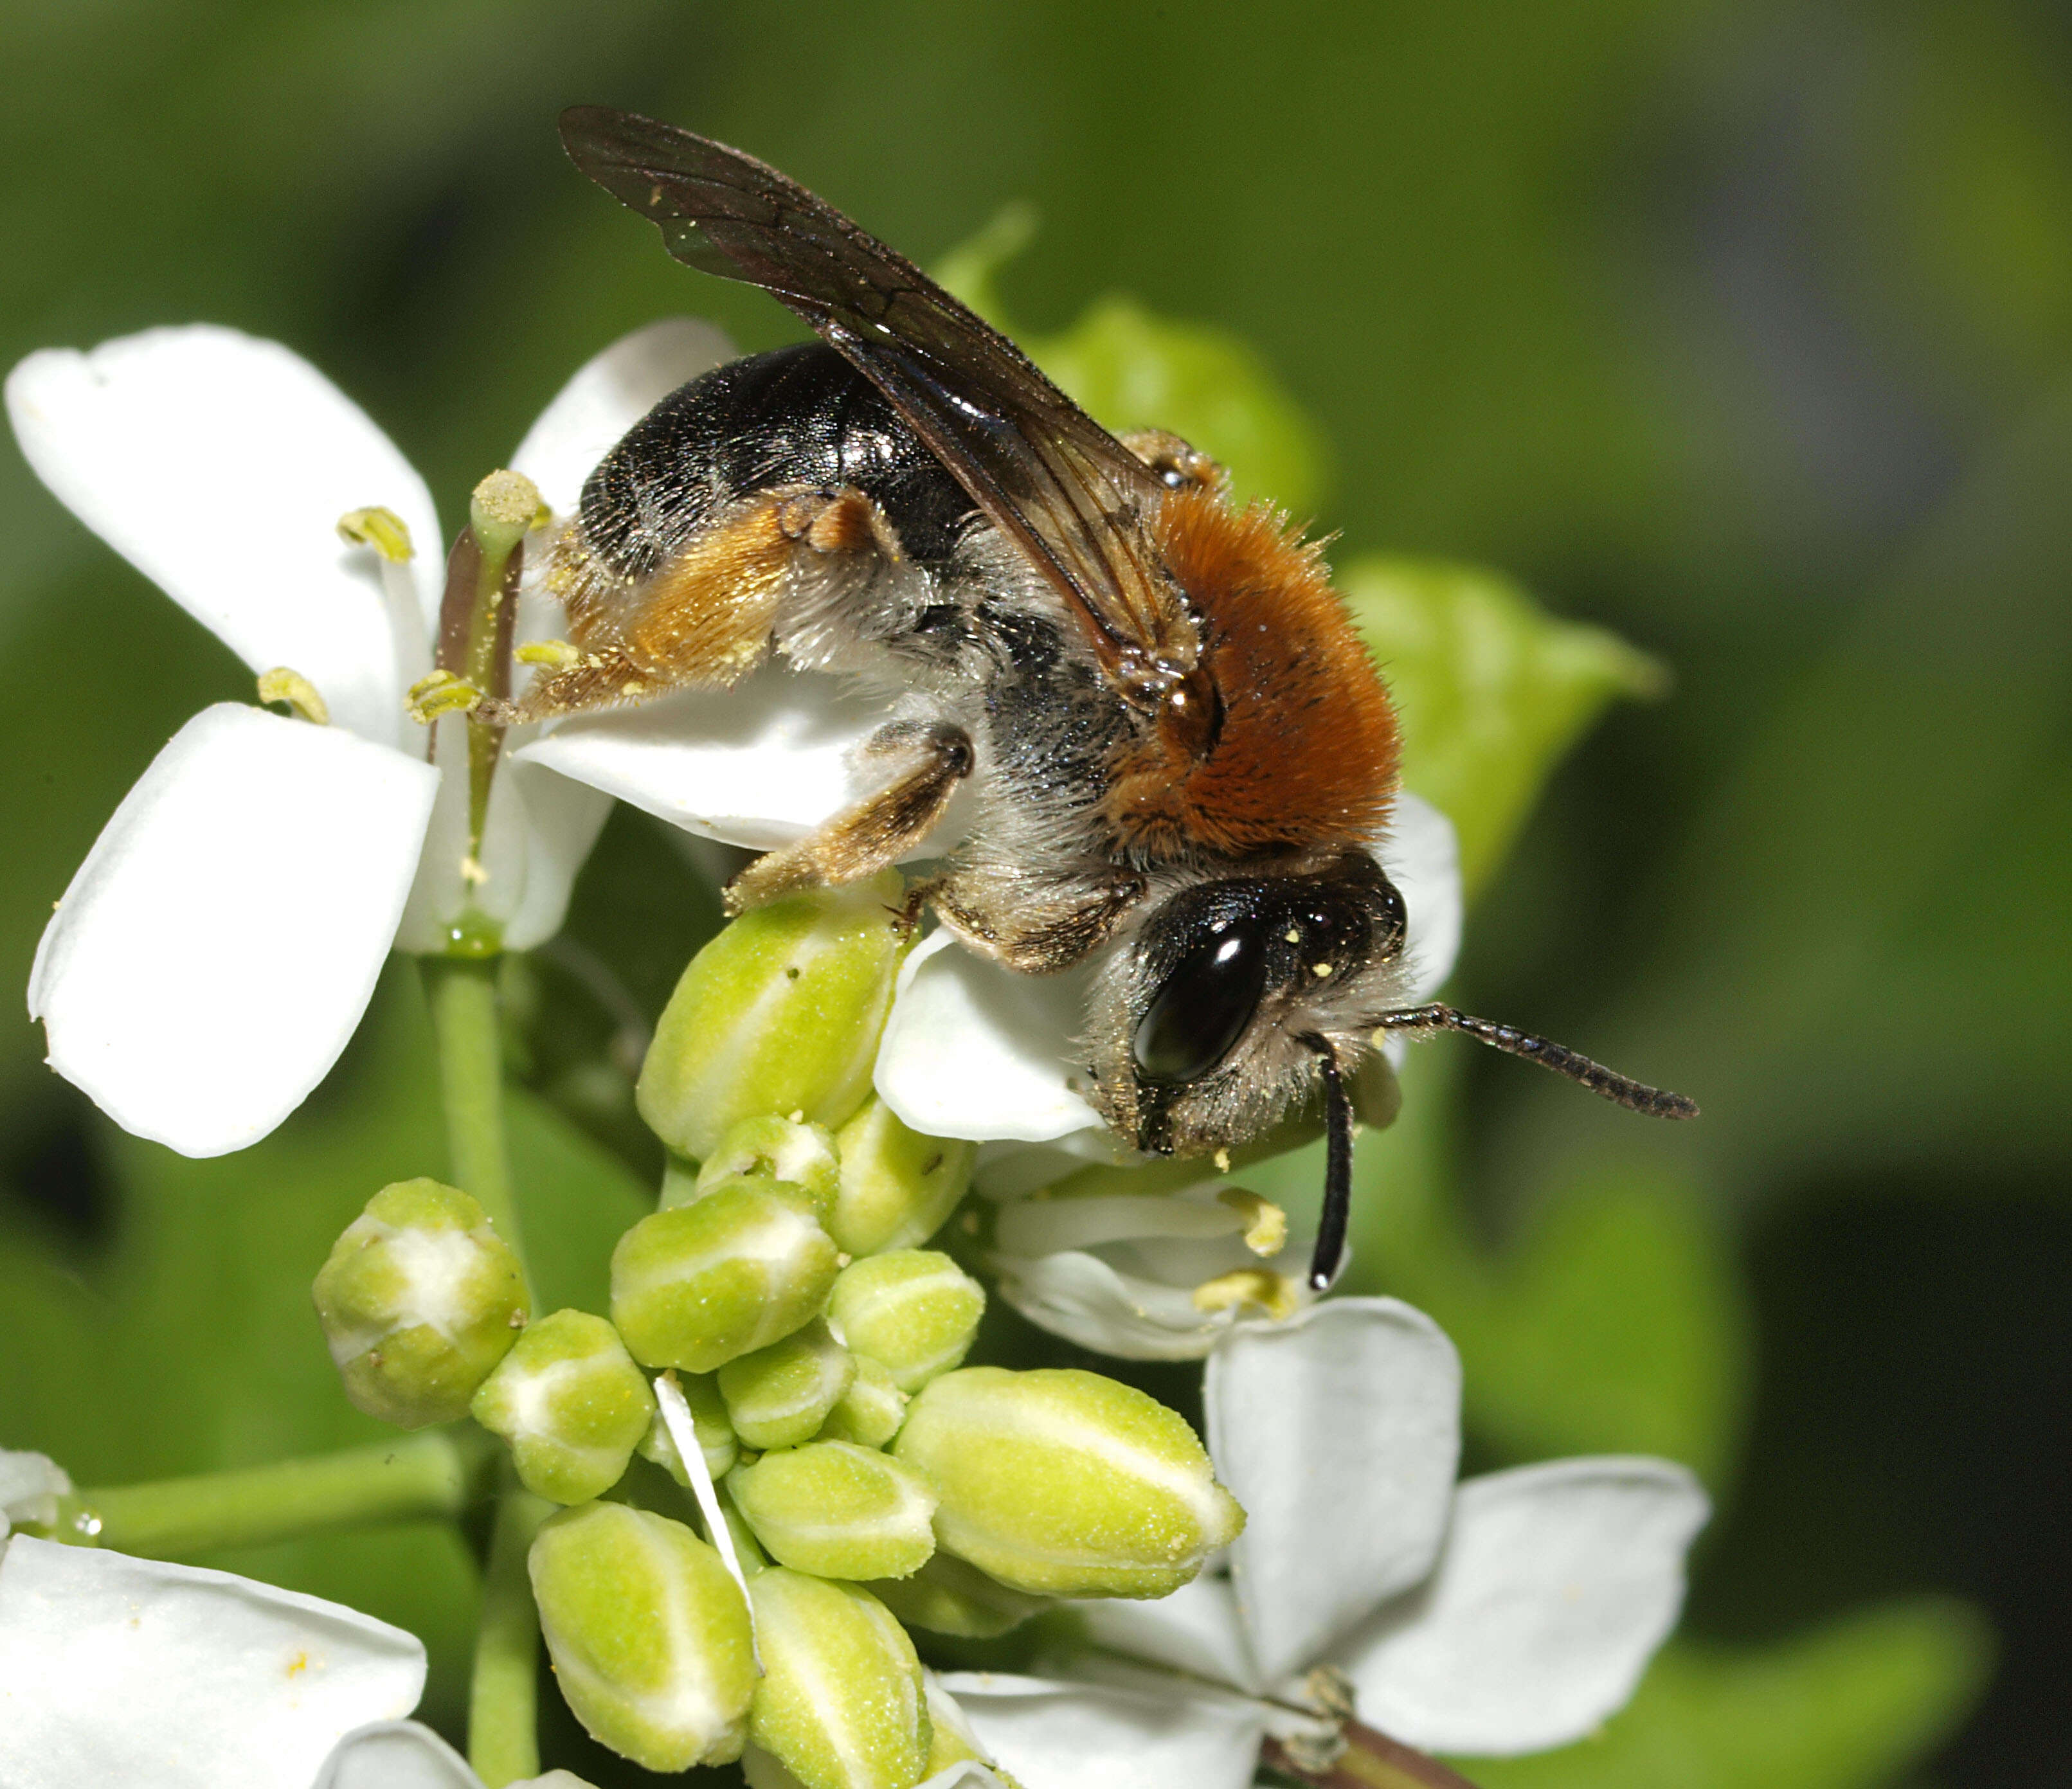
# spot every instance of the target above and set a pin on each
(115, 1670)
(215, 950)
(1508, 1614)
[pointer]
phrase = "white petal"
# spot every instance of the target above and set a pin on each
(1040, 1226)
(215, 950)
(30, 1485)
(1423, 858)
(1195, 1630)
(1007, 1168)
(610, 393)
(219, 466)
(540, 829)
(1338, 1432)
(760, 764)
(1085, 1300)
(1099, 1737)
(1557, 1584)
(396, 1754)
(115, 1670)
(764, 1772)
(973, 1050)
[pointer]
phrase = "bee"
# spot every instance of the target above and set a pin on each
(1184, 759)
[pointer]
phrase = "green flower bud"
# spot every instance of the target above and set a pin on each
(699, 1285)
(648, 1633)
(949, 1595)
(840, 1704)
(419, 1299)
(837, 1511)
(779, 1395)
(775, 1148)
(897, 1185)
(1065, 1483)
(870, 1412)
(708, 1419)
(780, 1012)
(915, 1310)
(572, 1404)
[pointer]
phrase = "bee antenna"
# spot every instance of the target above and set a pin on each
(1622, 1090)
(1329, 1254)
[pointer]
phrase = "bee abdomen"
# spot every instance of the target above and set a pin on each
(799, 416)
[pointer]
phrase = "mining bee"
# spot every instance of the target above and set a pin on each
(1184, 759)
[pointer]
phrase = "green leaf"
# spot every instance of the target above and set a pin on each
(1492, 688)
(1129, 368)
(1849, 1707)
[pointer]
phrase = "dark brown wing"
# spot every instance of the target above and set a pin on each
(1043, 470)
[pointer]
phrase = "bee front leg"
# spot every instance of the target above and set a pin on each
(862, 839)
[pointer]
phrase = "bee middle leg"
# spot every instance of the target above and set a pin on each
(862, 839)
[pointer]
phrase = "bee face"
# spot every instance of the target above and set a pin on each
(1204, 1023)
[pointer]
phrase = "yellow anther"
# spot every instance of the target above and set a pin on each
(382, 529)
(281, 684)
(503, 508)
(1273, 1293)
(1265, 1223)
(1330, 1692)
(1221, 1160)
(439, 692)
(555, 653)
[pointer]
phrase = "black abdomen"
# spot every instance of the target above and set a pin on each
(800, 415)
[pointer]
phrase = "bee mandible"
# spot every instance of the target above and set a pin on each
(1184, 759)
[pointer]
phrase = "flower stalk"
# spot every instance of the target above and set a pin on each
(503, 1707)
(463, 993)
(411, 1479)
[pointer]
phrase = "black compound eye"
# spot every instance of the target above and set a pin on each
(1392, 923)
(1203, 1004)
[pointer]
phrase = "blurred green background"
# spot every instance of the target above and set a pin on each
(1742, 330)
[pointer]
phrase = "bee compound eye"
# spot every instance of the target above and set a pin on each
(1203, 1004)
(1392, 921)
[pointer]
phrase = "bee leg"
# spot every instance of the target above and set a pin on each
(1054, 922)
(862, 839)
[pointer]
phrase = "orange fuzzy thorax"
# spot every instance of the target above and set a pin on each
(1305, 754)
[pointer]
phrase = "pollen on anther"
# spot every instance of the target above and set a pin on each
(1320, 970)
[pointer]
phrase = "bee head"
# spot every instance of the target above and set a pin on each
(1206, 1024)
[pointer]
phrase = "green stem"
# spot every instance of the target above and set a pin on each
(463, 993)
(411, 1480)
(502, 1713)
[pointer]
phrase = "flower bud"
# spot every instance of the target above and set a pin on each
(952, 1741)
(709, 1420)
(776, 1148)
(780, 1012)
(870, 1412)
(419, 1299)
(840, 1704)
(572, 1404)
(779, 1395)
(1065, 1483)
(648, 1633)
(897, 1186)
(698, 1285)
(949, 1595)
(837, 1511)
(913, 1309)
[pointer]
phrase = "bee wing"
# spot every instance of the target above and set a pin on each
(1043, 470)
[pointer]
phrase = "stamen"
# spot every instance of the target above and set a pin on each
(556, 654)
(382, 529)
(281, 684)
(1265, 1223)
(1273, 1293)
(439, 692)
